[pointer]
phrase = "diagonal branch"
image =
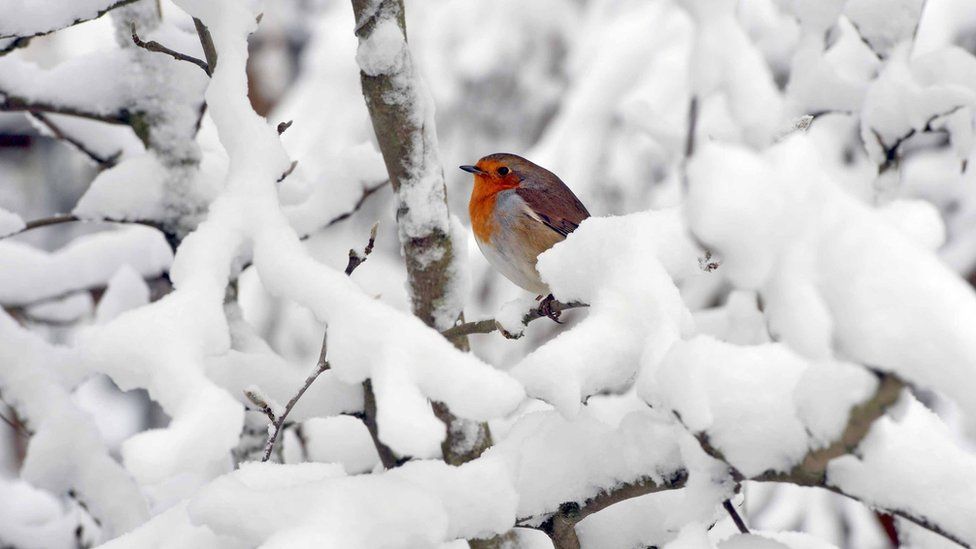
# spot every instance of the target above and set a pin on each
(154, 46)
(103, 161)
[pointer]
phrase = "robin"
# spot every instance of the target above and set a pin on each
(519, 210)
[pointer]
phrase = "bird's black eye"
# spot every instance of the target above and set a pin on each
(503, 171)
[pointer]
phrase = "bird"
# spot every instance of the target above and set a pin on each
(519, 210)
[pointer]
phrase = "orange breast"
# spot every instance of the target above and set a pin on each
(484, 195)
(481, 208)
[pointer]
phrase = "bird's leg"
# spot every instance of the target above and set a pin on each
(546, 309)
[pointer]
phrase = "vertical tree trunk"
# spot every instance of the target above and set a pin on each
(403, 119)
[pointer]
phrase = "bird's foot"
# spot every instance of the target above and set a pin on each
(545, 307)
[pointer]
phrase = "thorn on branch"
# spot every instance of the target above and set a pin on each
(154, 46)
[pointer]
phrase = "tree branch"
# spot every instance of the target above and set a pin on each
(811, 471)
(561, 527)
(104, 162)
(154, 46)
(59, 219)
(490, 325)
(278, 422)
(110, 7)
(320, 367)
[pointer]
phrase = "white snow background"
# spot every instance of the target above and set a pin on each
(812, 245)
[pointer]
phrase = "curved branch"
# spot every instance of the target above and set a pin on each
(489, 325)
(154, 46)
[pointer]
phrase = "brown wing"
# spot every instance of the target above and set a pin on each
(555, 205)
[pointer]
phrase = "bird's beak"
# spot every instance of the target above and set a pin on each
(473, 169)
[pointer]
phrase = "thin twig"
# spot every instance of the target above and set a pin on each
(154, 46)
(355, 260)
(105, 162)
(16, 426)
(277, 423)
(320, 367)
(736, 518)
(490, 325)
(12, 103)
(367, 192)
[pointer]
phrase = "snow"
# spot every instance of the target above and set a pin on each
(554, 460)
(384, 52)
(866, 292)
(102, 93)
(28, 274)
(126, 290)
(836, 258)
(882, 23)
(41, 16)
(29, 377)
(635, 308)
(916, 435)
(10, 223)
(763, 407)
(342, 440)
(112, 194)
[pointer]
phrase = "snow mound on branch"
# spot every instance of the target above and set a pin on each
(835, 276)
(935, 90)
(130, 190)
(883, 24)
(30, 17)
(419, 504)
(28, 274)
(340, 439)
(893, 468)
(763, 407)
(385, 51)
(33, 375)
(623, 267)
(554, 460)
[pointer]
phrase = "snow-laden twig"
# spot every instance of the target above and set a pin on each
(489, 325)
(56, 24)
(59, 219)
(561, 527)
